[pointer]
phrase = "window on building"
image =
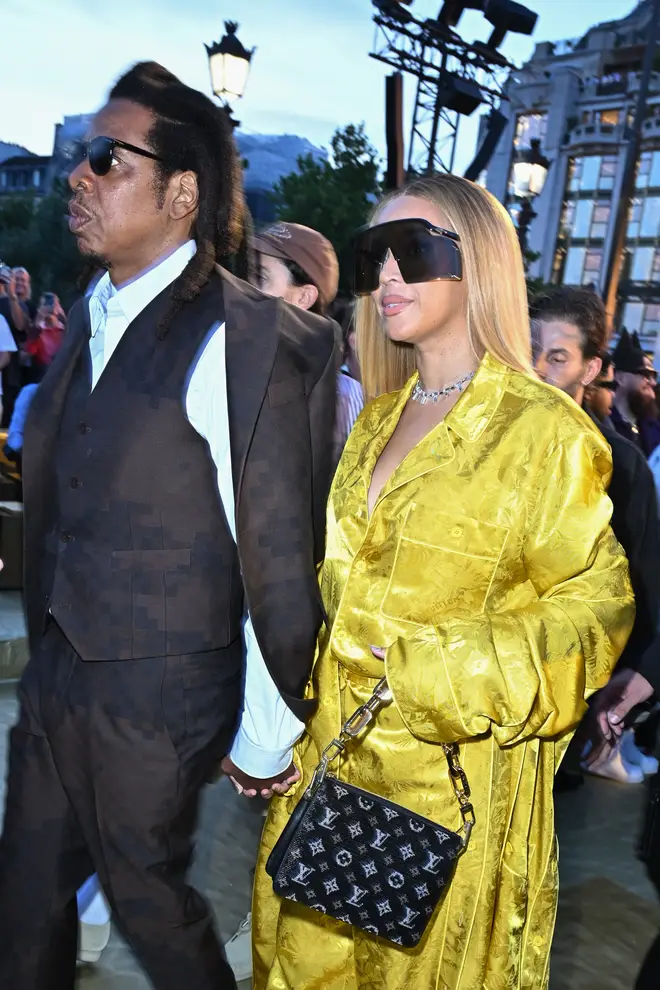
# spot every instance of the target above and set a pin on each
(650, 225)
(634, 217)
(590, 172)
(582, 223)
(574, 266)
(633, 316)
(652, 320)
(36, 178)
(610, 116)
(643, 170)
(655, 268)
(600, 219)
(608, 169)
(593, 260)
(640, 270)
(654, 174)
(528, 127)
(3, 180)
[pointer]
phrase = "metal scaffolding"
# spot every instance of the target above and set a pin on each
(448, 71)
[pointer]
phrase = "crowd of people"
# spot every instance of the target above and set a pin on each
(255, 513)
(30, 337)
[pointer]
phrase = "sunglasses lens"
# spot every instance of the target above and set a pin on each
(99, 153)
(421, 254)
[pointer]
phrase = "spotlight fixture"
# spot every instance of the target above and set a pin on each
(506, 15)
(394, 10)
(451, 11)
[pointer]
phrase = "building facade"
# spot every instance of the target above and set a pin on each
(578, 97)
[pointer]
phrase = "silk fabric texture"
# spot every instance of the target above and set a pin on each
(489, 572)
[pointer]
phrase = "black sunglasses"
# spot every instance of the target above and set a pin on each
(423, 252)
(100, 152)
(609, 386)
(648, 373)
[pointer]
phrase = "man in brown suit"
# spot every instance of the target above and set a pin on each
(177, 459)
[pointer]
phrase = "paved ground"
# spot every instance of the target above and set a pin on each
(608, 913)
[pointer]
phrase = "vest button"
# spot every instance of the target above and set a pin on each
(75, 483)
(84, 428)
(66, 537)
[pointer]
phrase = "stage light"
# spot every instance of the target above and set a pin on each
(393, 9)
(506, 15)
(459, 94)
(452, 10)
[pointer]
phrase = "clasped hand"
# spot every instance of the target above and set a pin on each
(264, 787)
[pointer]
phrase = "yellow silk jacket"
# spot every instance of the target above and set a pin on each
(489, 573)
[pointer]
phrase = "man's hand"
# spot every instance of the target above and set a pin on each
(253, 786)
(378, 652)
(611, 705)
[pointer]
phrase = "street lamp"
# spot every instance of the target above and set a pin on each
(229, 65)
(530, 170)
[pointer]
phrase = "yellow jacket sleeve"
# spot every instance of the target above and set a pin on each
(527, 672)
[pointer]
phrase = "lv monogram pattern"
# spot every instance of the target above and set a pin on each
(368, 862)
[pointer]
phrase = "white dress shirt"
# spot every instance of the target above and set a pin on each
(268, 728)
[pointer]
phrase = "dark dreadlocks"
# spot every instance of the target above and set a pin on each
(190, 133)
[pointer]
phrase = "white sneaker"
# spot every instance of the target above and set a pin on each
(616, 768)
(92, 940)
(239, 950)
(635, 756)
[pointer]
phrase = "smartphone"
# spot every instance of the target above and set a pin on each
(49, 299)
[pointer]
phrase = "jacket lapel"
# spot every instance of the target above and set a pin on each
(464, 423)
(251, 339)
(46, 409)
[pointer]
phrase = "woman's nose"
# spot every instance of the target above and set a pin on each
(390, 271)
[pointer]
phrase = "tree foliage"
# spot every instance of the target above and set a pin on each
(334, 196)
(34, 235)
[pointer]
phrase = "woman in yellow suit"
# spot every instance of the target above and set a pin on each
(469, 557)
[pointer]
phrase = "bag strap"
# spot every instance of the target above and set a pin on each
(355, 725)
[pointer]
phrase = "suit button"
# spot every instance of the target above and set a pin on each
(84, 428)
(75, 483)
(66, 537)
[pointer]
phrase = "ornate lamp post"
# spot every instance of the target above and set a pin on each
(530, 171)
(229, 65)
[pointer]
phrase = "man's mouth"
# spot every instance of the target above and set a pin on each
(78, 217)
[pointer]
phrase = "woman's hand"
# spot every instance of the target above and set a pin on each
(378, 652)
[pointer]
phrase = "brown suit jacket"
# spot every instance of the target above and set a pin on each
(281, 383)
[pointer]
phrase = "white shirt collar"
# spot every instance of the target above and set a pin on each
(133, 297)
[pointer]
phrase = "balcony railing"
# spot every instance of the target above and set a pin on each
(592, 134)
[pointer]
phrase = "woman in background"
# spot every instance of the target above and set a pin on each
(469, 559)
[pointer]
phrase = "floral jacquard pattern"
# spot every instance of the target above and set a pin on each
(489, 574)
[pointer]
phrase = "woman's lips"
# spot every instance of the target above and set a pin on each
(393, 305)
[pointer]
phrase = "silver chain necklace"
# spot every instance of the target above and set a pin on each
(422, 395)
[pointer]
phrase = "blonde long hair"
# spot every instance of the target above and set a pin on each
(497, 316)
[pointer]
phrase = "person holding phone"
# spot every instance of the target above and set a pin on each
(49, 330)
(7, 348)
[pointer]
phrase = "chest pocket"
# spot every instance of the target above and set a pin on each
(445, 564)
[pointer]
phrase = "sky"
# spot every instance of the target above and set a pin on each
(310, 73)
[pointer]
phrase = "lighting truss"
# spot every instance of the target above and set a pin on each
(435, 55)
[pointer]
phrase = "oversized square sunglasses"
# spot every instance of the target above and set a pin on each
(423, 252)
(100, 153)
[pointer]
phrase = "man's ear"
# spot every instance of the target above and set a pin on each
(593, 369)
(308, 294)
(184, 195)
